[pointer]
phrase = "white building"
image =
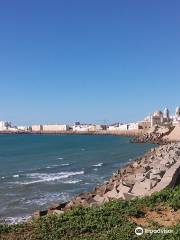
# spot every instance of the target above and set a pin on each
(176, 118)
(113, 128)
(55, 128)
(157, 118)
(36, 128)
(81, 128)
(4, 125)
(23, 128)
(133, 126)
(163, 119)
(166, 114)
(123, 127)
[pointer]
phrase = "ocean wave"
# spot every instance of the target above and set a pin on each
(72, 181)
(15, 220)
(58, 165)
(60, 158)
(44, 177)
(15, 175)
(53, 166)
(47, 198)
(12, 176)
(95, 169)
(65, 164)
(98, 165)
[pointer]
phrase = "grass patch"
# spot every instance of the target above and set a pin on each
(110, 221)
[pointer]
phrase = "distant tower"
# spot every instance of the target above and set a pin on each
(178, 112)
(166, 113)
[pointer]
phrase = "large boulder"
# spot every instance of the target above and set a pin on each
(141, 188)
(121, 189)
(129, 180)
(112, 194)
(100, 200)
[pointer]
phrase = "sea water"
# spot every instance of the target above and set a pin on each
(38, 170)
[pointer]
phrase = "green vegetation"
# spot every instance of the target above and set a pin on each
(111, 221)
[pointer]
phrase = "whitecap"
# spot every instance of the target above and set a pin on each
(72, 181)
(44, 177)
(98, 165)
(60, 158)
(15, 175)
(16, 220)
(47, 198)
(65, 164)
(53, 166)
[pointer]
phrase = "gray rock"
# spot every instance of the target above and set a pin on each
(177, 153)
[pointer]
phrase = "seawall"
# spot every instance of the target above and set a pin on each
(157, 169)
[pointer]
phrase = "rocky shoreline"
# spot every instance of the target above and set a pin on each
(157, 169)
(157, 135)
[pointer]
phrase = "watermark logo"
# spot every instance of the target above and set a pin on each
(139, 231)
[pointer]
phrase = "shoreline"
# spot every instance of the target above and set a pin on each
(157, 135)
(114, 133)
(155, 170)
(120, 185)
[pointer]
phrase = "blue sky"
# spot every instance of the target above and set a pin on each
(92, 61)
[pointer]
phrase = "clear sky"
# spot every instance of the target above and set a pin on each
(88, 60)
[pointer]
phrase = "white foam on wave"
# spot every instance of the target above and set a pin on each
(58, 165)
(60, 158)
(47, 198)
(53, 166)
(44, 177)
(15, 175)
(72, 181)
(16, 220)
(98, 165)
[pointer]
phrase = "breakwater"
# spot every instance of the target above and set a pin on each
(157, 169)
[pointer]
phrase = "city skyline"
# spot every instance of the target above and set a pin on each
(166, 113)
(88, 61)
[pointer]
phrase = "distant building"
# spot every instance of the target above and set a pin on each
(163, 119)
(4, 125)
(123, 127)
(133, 126)
(23, 128)
(113, 128)
(176, 118)
(166, 114)
(36, 128)
(157, 118)
(118, 127)
(88, 127)
(81, 128)
(177, 115)
(55, 128)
